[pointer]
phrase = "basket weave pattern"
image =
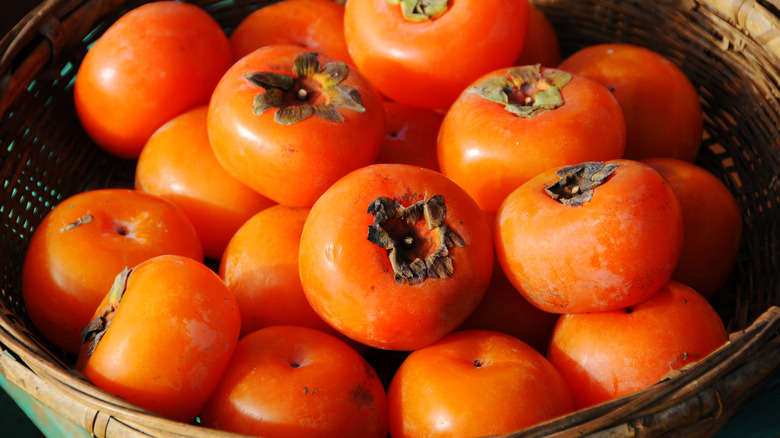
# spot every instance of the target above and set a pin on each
(730, 49)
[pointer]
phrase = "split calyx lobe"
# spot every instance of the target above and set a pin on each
(311, 90)
(577, 183)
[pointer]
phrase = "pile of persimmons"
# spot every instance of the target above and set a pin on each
(424, 180)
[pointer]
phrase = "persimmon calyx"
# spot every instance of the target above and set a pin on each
(416, 238)
(525, 91)
(96, 328)
(310, 90)
(577, 183)
(421, 10)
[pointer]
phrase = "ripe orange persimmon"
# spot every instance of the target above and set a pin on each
(155, 62)
(288, 381)
(712, 225)
(407, 50)
(410, 135)
(260, 267)
(590, 237)
(317, 25)
(541, 42)
(474, 383)
(604, 355)
(83, 243)
(514, 123)
(288, 122)
(178, 164)
(395, 256)
(660, 104)
(163, 337)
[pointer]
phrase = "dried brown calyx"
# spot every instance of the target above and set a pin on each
(416, 238)
(421, 10)
(96, 328)
(311, 90)
(525, 91)
(576, 183)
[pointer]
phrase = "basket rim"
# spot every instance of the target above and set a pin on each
(759, 342)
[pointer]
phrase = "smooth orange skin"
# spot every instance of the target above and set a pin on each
(152, 64)
(349, 281)
(660, 104)
(317, 25)
(333, 392)
(614, 251)
(504, 309)
(490, 152)
(410, 135)
(410, 62)
(170, 340)
(67, 273)
(541, 42)
(439, 391)
(260, 267)
(290, 164)
(712, 225)
(178, 164)
(606, 355)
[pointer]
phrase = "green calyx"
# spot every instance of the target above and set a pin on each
(311, 90)
(421, 10)
(525, 91)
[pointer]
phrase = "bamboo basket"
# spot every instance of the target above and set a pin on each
(730, 49)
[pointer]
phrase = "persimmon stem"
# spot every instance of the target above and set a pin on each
(87, 218)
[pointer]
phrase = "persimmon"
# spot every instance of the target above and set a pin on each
(605, 355)
(289, 381)
(178, 164)
(317, 25)
(475, 383)
(541, 41)
(163, 337)
(395, 256)
(260, 267)
(83, 243)
(659, 102)
(406, 48)
(514, 123)
(288, 122)
(152, 64)
(410, 135)
(590, 237)
(712, 225)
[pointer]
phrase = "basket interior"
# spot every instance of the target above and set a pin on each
(46, 156)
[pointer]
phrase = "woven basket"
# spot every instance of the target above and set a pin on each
(730, 49)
